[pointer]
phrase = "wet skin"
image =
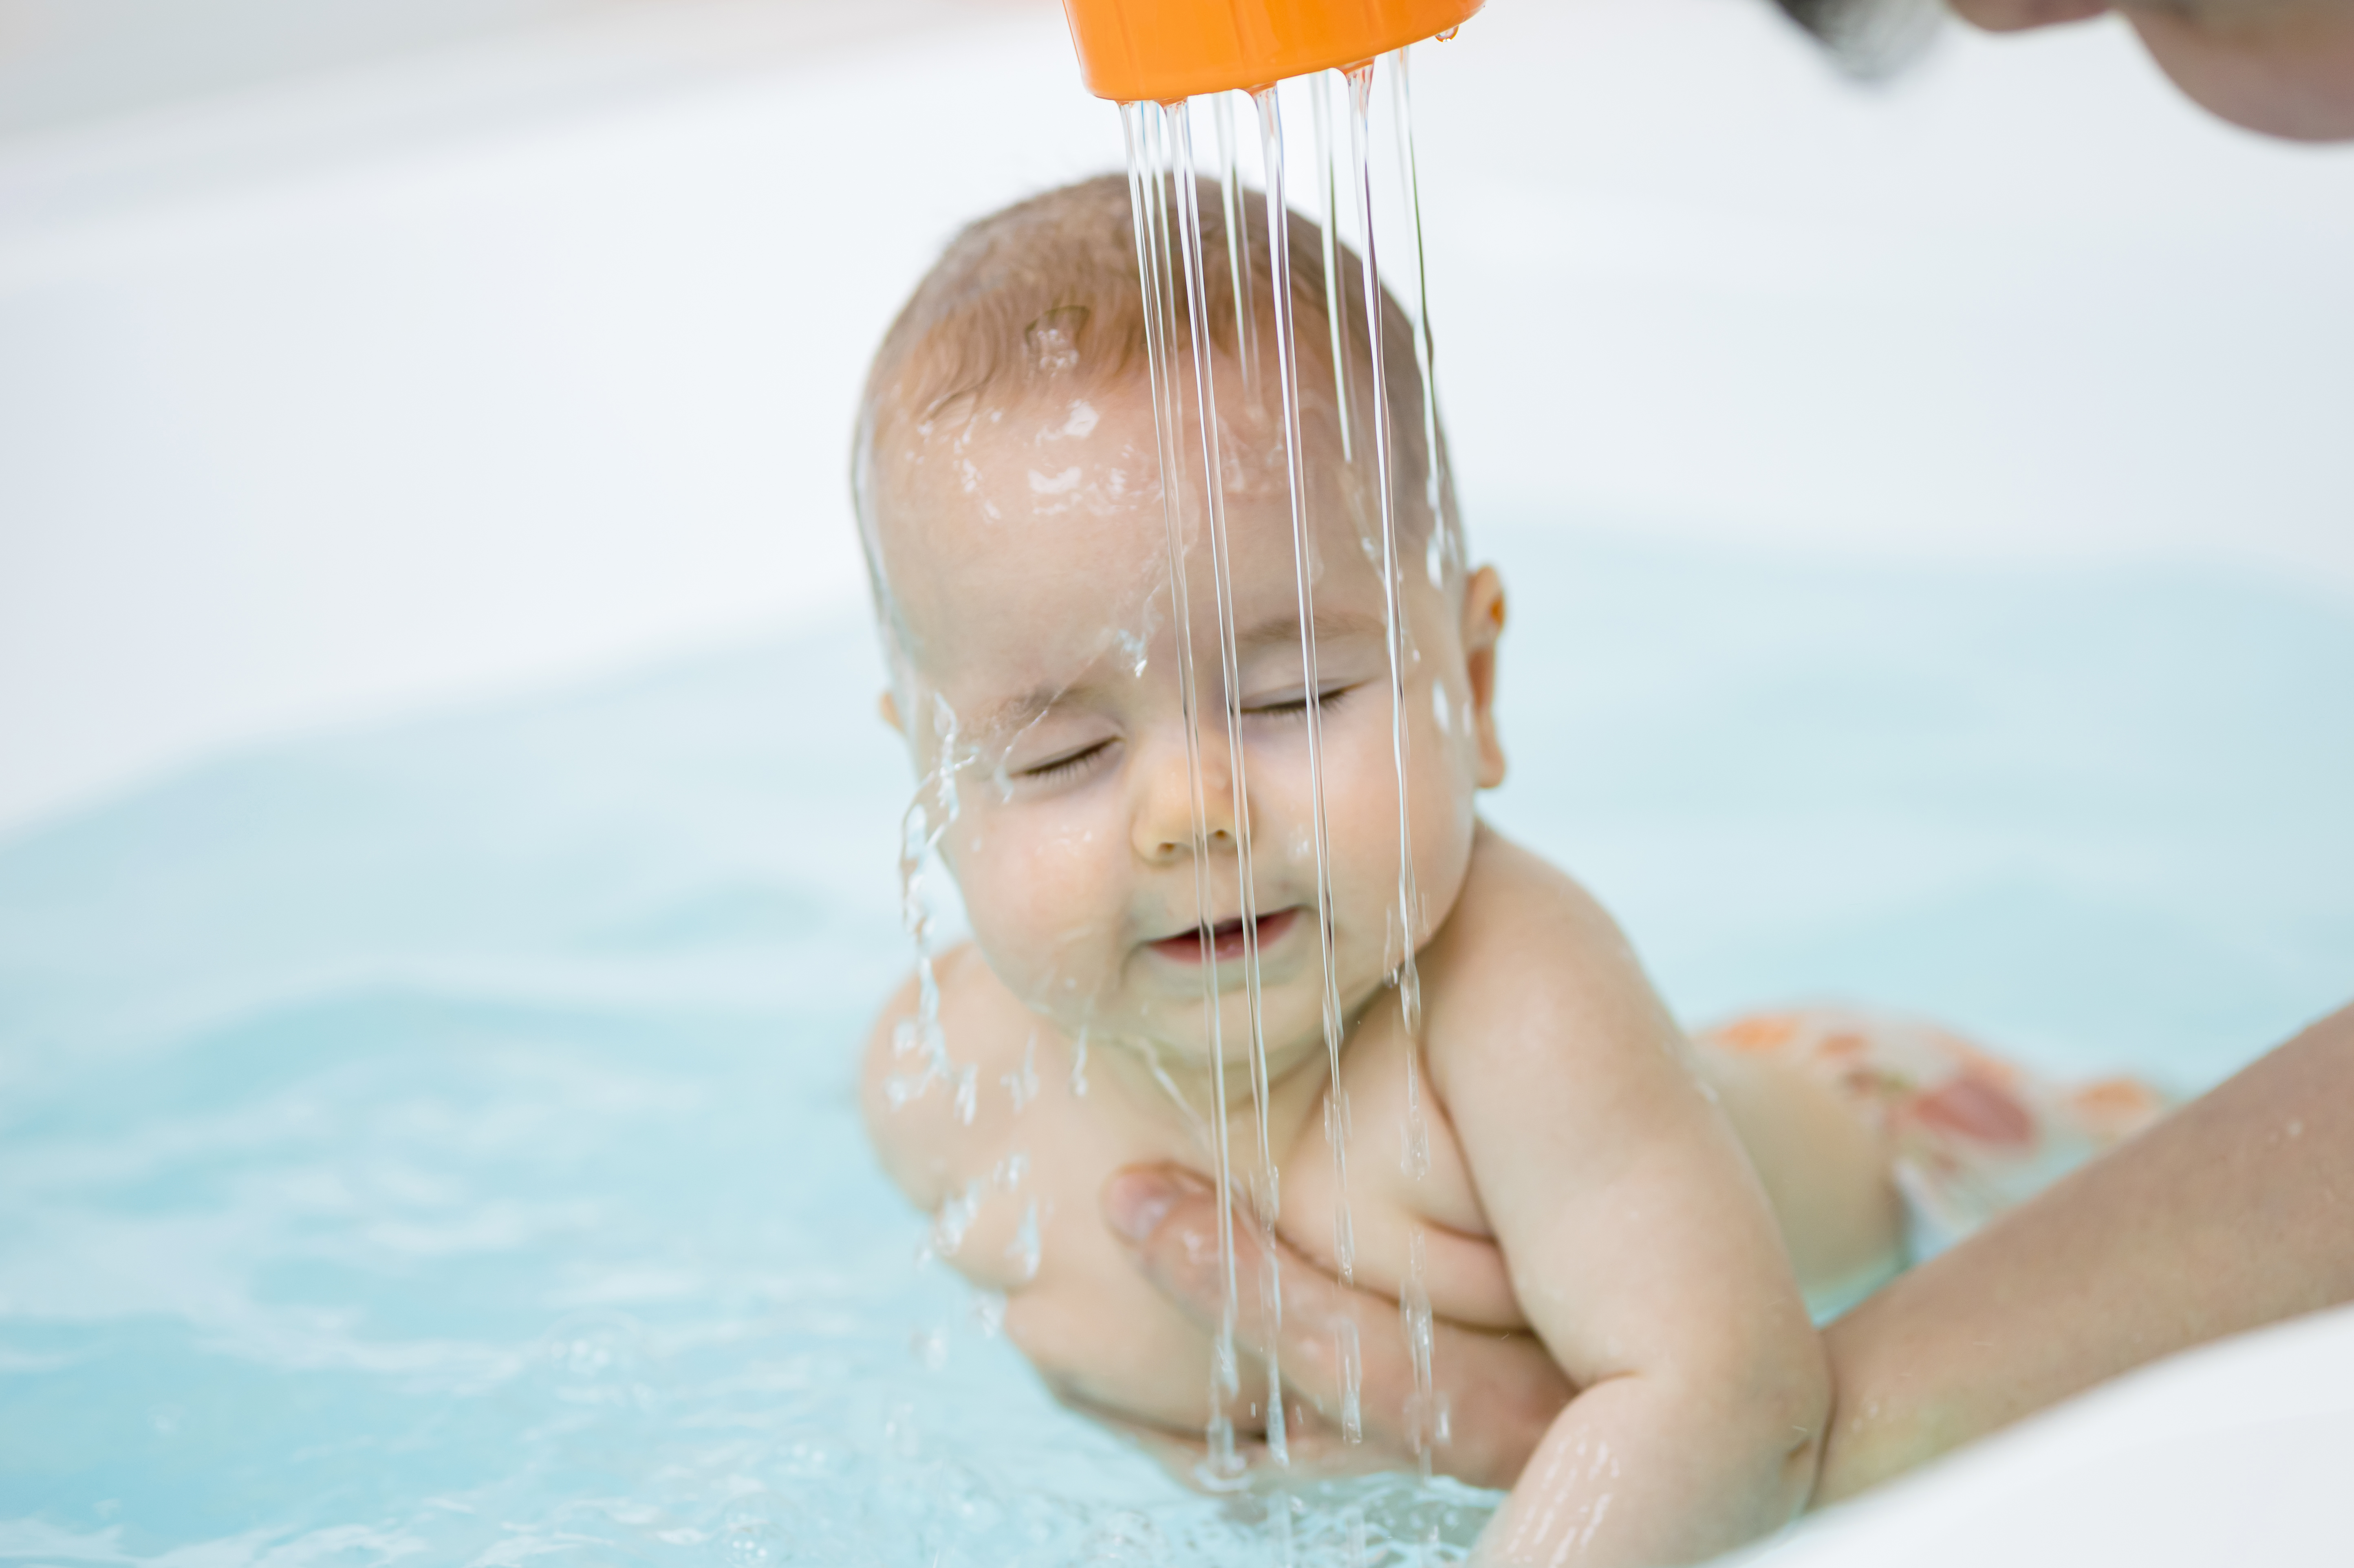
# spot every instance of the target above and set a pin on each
(1584, 1191)
(2247, 1180)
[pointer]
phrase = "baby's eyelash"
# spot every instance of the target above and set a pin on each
(1064, 768)
(1297, 707)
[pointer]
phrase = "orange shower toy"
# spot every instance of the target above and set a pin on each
(1133, 50)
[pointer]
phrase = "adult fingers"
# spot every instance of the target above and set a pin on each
(2019, 16)
(1496, 1393)
(1169, 1217)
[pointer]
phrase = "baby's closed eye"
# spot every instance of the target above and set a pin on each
(1073, 763)
(1293, 705)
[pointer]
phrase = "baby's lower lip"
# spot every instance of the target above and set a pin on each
(1226, 939)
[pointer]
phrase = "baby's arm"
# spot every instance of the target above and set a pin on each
(1639, 1242)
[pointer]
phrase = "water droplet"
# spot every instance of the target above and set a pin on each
(1024, 1249)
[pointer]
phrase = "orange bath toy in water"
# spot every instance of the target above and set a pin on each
(1132, 50)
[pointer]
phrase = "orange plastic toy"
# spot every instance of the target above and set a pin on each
(1167, 50)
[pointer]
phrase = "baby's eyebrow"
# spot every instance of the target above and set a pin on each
(1016, 713)
(1330, 625)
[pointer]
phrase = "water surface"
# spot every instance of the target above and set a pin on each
(438, 1142)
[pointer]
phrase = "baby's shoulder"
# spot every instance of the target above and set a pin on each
(1517, 907)
(1530, 963)
(925, 1069)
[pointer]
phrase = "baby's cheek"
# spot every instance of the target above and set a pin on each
(1449, 714)
(1445, 761)
(1042, 901)
(1446, 750)
(1361, 812)
(1361, 798)
(1283, 810)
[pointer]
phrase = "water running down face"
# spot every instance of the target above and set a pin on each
(1025, 554)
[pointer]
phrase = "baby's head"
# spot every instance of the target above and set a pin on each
(1010, 498)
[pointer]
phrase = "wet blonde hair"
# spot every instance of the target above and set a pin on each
(1048, 288)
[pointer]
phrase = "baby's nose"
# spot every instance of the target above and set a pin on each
(1164, 819)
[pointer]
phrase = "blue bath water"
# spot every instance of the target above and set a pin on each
(438, 1143)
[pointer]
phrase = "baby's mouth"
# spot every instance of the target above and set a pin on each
(1226, 939)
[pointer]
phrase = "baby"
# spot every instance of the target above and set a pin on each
(1546, 1154)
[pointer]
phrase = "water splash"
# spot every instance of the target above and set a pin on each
(1168, 190)
(1353, 1380)
(1415, 1138)
(1025, 1250)
(1021, 1085)
(1413, 1313)
(1434, 465)
(952, 1221)
(1233, 203)
(1328, 225)
(1153, 168)
(1334, 1025)
(1265, 1189)
(918, 1045)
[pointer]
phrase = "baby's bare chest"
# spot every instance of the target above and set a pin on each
(1026, 1217)
(1398, 1202)
(1399, 1197)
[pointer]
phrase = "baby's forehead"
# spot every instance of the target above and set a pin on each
(1010, 475)
(1041, 465)
(1006, 523)
(979, 510)
(1001, 421)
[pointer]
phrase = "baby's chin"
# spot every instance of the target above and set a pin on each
(1170, 1026)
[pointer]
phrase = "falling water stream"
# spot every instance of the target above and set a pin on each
(1167, 186)
(1344, 1245)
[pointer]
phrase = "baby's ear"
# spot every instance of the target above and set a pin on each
(1483, 626)
(888, 706)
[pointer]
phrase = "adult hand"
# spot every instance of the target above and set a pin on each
(2229, 1216)
(2282, 67)
(1504, 1389)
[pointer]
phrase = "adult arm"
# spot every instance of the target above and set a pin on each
(2236, 1212)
